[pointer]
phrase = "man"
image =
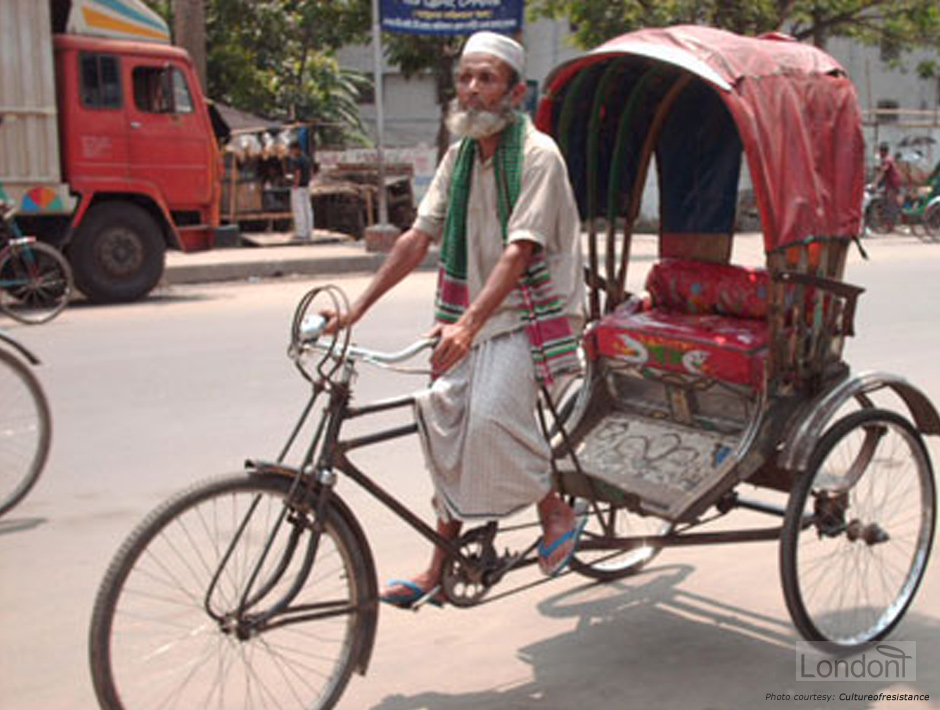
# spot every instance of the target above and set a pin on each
(301, 169)
(504, 213)
(888, 178)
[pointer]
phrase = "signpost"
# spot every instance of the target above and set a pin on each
(452, 17)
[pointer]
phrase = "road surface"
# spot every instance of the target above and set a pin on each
(149, 397)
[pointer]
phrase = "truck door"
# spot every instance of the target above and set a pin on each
(96, 135)
(170, 145)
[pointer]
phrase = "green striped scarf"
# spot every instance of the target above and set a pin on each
(552, 343)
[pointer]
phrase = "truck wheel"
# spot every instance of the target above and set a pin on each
(117, 253)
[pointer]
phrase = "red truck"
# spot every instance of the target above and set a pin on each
(107, 145)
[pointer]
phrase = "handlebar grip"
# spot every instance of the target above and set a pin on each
(311, 328)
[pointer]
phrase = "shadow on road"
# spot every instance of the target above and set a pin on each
(160, 297)
(646, 642)
(8, 527)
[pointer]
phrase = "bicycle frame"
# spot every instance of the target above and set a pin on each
(312, 492)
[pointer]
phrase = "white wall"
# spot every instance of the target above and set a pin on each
(411, 114)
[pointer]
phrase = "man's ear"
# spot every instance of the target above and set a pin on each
(517, 94)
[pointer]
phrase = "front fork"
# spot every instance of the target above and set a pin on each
(304, 511)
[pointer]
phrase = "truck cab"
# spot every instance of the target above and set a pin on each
(107, 146)
(138, 147)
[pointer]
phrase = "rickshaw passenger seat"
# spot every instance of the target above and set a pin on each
(705, 319)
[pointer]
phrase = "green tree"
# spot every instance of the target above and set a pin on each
(277, 58)
(889, 23)
(415, 54)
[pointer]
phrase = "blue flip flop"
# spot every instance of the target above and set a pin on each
(573, 536)
(411, 597)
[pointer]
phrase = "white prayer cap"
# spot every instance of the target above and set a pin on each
(499, 46)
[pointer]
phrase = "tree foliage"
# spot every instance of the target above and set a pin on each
(893, 24)
(276, 58)
(437, 54)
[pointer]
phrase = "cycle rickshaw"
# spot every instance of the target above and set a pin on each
(261, 586)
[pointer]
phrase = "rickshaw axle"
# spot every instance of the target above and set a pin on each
(871, 534)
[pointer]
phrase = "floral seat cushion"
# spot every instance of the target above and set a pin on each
(701, 287)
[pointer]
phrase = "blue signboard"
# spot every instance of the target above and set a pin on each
(452, 17)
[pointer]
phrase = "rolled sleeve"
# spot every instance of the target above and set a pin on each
(535, 215)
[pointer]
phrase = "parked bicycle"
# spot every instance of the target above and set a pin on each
(25, 423)
(35, 279)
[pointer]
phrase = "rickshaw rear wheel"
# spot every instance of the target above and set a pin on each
(610, 565)
(858, 531)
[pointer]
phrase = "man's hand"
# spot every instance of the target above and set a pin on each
(454, 342)
(337, 321)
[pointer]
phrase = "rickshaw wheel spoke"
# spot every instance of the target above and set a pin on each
(849, 576)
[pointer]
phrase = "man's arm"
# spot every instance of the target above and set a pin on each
(457, 339)
(407, 254)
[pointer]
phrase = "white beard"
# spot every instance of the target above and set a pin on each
(476, 124)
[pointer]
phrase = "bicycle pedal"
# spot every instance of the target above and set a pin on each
(428, 598)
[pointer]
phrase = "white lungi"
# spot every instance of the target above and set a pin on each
(302, 211)
(483, 443)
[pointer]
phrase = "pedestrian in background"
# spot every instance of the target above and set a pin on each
(301, 170)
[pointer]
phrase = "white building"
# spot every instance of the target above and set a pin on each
(412, 115)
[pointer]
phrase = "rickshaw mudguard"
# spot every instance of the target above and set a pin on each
(801, 439)
(370, 617)
(18, 347)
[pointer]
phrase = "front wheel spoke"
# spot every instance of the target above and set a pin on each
(162, 620)
(173, 578)
(172, 697)
(295, 668)
(226, 661)
(286, 652)
(250, 675)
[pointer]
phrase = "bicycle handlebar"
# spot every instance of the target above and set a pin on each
(312, 326)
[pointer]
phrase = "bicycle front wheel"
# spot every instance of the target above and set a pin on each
(25, 430)
(35, 283)
(172, 620)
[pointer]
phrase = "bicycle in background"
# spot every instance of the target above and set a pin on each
(25, 423)
(35, 279)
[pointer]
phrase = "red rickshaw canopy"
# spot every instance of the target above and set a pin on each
(788, 106)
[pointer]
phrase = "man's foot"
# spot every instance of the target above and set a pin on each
(405, 593)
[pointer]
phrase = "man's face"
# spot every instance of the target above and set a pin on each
(482, 82)
(485, 100)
